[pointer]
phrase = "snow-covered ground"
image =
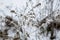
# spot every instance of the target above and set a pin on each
(26, 13)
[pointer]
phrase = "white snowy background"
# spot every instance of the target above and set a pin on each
(30, 14)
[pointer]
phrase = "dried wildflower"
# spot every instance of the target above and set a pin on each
(37, 5)
(12, 11)
(21, 30)
(10, 22)
(27, 35)
(15, 22)
(40, 22)
(9, 18)
(17, 37)
(4, 34)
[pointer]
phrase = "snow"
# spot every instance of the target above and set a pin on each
(20, 7)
